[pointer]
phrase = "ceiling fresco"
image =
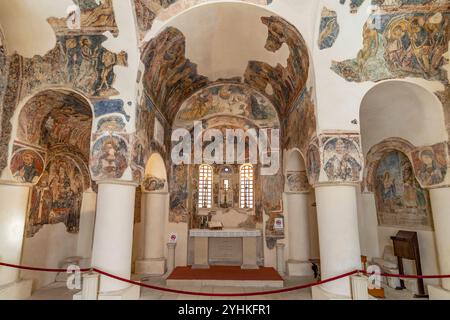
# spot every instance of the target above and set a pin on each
(53, 117)
(227, 99)
(171, 78)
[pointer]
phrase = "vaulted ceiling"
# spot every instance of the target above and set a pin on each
(225, 43)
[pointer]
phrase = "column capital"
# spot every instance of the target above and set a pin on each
(15, 183)
(336, 184)
(118, 182)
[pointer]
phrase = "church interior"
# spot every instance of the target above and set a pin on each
(348, 99)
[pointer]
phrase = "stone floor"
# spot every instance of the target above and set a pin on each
(59, 291)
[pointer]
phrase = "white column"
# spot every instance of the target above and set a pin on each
(13, 211)
(154, 226)
(171, 257)
(113, 235)
(440, 204)
(298, 233)
(338, 235)
(87, 222)
(280, 258)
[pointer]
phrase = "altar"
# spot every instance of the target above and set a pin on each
(229, 247)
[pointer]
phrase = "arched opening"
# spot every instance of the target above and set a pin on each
(151, 214)
(302, 247)
(51, 152)
(397, 118)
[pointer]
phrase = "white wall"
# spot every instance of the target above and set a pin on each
(51, 245)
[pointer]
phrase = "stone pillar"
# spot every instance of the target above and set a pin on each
(171, 257)
(154, 262)
(440, 205)
(280, 258)
(298, 232)
(13, 212)
(87, 222)
(113, 238)
(338, 237)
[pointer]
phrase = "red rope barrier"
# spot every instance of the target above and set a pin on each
(296, 288)
(37, 269)
(226, 294)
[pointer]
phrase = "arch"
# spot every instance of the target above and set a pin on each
(398, 108)
(285, 54)
(377, 152)
(155, 179)
(295, 172)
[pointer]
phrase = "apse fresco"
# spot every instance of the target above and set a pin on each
(444, 97)
(400, 200)
(329, 29)
(170, 77)
(227, 99)
(96, 16)
(109, 158)
(54, 117)
(430, 164)
(27, 165)
(300, 124)
(57, 196)
(297, 181)
(400, 43)
(286, 83)
(342, 158)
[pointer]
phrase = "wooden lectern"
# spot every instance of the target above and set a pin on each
(406, 246)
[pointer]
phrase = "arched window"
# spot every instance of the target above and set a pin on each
(246, 181)
(205, 186)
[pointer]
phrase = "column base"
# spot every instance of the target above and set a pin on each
(299, 268)
(438, 293)
(200, 266)
(249, 267)
(154, 267)
(20, 290)
(318, 293)
(130, 293)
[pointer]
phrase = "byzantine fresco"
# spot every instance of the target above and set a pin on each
(342, 159)
(297, 181)
(110, 157)
(111, 124)
(400, 200)
(94, 16)
(179, 194)
(152, 184)
(329, 28)
(402, 42)
(57, 196)
(3, 68)
(79, 61)
(313, 163)
(444, 97)
(354, 4)
(300, 124)
(227, 99)
(56, 117)
(430, 164)
(170, 77)
(286, 83)
(27, 165)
